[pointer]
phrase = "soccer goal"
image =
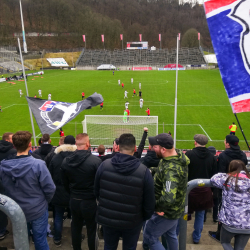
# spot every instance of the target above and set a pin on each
(103, 129)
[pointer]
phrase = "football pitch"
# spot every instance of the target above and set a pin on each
(203, 106)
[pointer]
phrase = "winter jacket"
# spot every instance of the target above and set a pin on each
(202, 165)
(6, 148)
(150, 160)
(125, 190)
(61, 196)
(43, 150)
(227, 156)
(171, 185)
(78, 174)
(49, 156)
(235, 209)
(105, 157)
(28, 182)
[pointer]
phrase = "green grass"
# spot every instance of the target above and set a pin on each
(202, 101)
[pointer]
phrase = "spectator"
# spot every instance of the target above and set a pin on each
(60, 200)
(45, 147)
(28, 182)
(141, 146)
(115, 150)
(232, 152)
(51, 154)
(202, 165)
(150, 160)
(125, 191)
(234, 214)
(101, 151)
(170, 183)
(78, 174)
(6, 149)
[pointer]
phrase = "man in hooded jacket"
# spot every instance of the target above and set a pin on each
(6, 149)
(125, 190)
(60, 200)
(78, 174)
(45, 147)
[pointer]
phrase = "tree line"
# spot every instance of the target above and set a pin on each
(109, 17)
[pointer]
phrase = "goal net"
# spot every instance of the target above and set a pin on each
(103, 129)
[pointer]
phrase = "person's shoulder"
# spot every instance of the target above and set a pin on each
(94, 159)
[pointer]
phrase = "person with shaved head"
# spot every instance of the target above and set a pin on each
(78, 176)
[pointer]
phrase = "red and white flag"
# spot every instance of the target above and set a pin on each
(83, 37)
(179, 36)
(199, 36)
(140, 37)
(103, 38)
(121, 37)
(159, 37)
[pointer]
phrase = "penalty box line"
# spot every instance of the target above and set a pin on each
(192, 125)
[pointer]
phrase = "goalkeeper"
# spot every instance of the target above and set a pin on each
(125, 116)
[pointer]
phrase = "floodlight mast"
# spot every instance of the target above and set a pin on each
(23, 31)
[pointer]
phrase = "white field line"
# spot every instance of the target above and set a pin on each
(205, 132)
(13, 105)
(37, 136)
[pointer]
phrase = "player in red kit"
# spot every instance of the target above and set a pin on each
(83, 95)
(128, 111)
(134, 93)
(101, 106)
(61, 132)
(148, 111)
(122, 85)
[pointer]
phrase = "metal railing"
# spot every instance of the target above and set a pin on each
(18, 220)
(183, 220)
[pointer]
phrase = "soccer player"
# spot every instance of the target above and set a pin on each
(119, 81)
(20, 92)
(126, 104)
(132, 80)
(125, 116)
(141, 103)
(126, 94)
(49, 96)
(134, 93)
(139, 85)
(113, 72)
(122, 85)
(128, 111)
(140, 93)
(61, 132)
(1, 109)
(40, 92)
(101, 106)
(35, 96)
(148, 111)
(83, 95)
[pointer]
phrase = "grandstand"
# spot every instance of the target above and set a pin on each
(157, 58)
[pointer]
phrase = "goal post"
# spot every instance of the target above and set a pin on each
(103, 129)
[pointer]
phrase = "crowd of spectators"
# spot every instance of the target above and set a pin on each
(123, 191)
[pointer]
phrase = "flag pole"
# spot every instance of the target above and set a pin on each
(176, 84)
(23, 31)
(31, 118)
(241, 130)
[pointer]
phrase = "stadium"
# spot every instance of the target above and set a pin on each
(84, 89)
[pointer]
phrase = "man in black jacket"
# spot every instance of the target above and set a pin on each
(202, 165)
(125, 190)
(6, 149)
(61, 196)
(150, 160)
(45, 148)
(232, 152)
(78, 175)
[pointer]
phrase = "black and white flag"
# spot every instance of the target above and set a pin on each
(52, 115)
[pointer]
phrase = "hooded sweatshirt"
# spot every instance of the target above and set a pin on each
(6, 149)
(150, 160)
(78, 174)
(43, 150)
(125, 190)
(28, 182)
(202, 165)
(171, 185)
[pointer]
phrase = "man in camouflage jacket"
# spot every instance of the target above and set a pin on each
(170, 192)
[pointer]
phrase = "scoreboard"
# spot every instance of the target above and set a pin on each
(137, 45)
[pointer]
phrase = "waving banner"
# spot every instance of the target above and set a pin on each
(52, 115)
(229, 22)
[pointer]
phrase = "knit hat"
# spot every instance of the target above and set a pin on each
(212, 150)
(69, 139)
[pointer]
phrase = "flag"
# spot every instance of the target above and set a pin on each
(121, 37)
(52, 115)
(140, 35)
(179, 35)
(159, 37)
(228, 22)
(199, 36)
(83, 37)
(103, 38)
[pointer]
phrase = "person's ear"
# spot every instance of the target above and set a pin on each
(118, 147)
